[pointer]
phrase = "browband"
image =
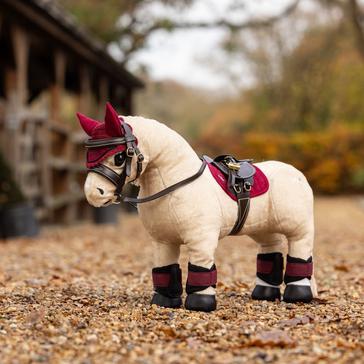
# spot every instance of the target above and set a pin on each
(96, 143)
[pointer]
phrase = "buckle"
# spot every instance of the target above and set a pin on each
(237, 188)
(247, 186)
(130, 152)
(233, 165)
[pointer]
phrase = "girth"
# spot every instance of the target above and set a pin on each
(240, 180)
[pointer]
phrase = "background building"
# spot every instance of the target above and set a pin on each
(49, 69)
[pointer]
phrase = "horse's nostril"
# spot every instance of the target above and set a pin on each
(100, 190)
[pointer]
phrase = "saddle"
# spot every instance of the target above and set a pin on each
(240, 180)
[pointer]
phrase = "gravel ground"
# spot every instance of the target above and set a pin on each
(81, 295)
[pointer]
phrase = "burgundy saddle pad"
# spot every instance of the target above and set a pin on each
(261, 183)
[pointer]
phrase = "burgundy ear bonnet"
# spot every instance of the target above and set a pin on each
(111, 128)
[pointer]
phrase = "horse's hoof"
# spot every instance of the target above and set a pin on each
(294, 293)
(266, 293)
(200, 302)
(167, 302)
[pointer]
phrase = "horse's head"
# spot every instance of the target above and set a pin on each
(113, 157)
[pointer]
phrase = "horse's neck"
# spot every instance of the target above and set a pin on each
(170, 158)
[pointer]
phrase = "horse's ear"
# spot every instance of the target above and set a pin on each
(112, 122)
(88, 124)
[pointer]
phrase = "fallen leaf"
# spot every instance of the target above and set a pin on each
(341, 267)
(271, 339)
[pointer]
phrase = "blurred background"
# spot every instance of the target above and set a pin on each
(279, 79)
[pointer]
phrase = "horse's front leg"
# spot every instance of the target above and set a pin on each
(202, 274)
(167, 275)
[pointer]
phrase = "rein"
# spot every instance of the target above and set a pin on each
(169, 189)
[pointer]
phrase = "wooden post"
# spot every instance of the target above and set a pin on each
(21, 50)
(16, 95)
(129, 107)
(58, 86)
(85, 82)
(104, 96)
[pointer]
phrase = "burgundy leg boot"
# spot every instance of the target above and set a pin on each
(269, 277)
(298, 280)
(167, 282)
(200, 278)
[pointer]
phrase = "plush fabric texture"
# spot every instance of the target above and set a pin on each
(260, 186)
(201, 213)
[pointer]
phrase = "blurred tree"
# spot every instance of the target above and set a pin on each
(129, 23)
(352, 11)
(183, 108)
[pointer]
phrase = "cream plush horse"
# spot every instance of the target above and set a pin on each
(201, 213)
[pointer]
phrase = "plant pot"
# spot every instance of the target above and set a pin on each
(18, 220)
(106, 215)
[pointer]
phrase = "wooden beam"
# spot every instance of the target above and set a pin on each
(104, 96)
(85, 83)
(91, 52)
(21, 53)
(59, 83)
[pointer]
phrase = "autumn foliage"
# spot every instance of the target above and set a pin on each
(311, 116)
(332, 160)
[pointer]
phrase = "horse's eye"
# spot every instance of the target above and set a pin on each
(119, 159)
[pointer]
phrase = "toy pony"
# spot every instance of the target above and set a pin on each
(185, 199)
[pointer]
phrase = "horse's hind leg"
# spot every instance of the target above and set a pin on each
(202, 274)
(300, 283)
(167, 277)
(269, 267)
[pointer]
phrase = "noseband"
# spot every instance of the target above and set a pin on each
(118, 180)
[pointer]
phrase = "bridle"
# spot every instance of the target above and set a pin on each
(130, 141)
(118, 180)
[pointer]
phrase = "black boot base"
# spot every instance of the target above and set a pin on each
(294, 293)
(265, 293)
(200, 302)
(166, 302)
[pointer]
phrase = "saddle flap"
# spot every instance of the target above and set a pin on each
(246, 170)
